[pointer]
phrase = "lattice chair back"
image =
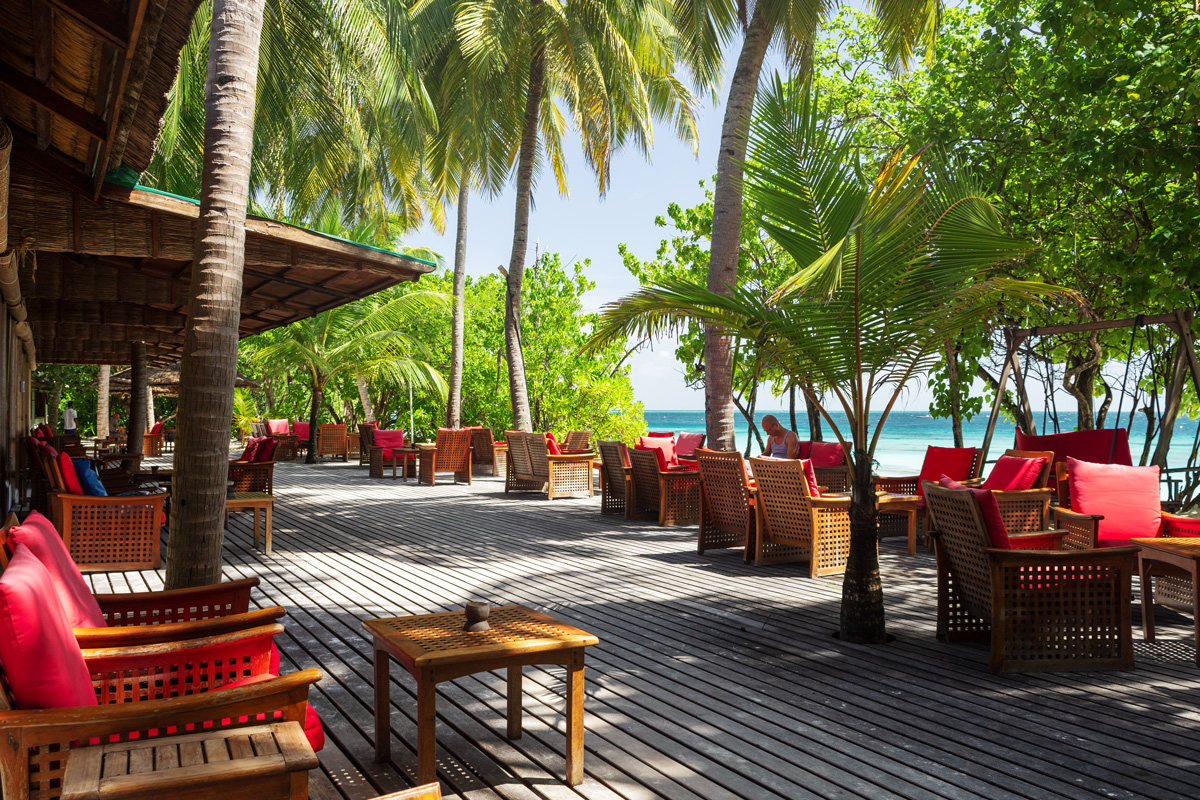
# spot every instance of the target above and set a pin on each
(725, 513)
(484, 445)
(539, 455)
(1043, 478)
(518, 454)
(579, 440)
(783, 494)
(366, 435)
(331, 440)
(453, 450)
(961, 540)
(613, 465)
(834, 479)
(646, 487)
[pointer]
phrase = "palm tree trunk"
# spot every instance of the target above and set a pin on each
(454, 402)
(727, 228)
(314, 416)
(364, 395)
(102, 401)
(952, 386)
(149, 408)
(518, 392)
(136, 426)
(862, 618)
(52, 407)
(814, 415)
(211, 336)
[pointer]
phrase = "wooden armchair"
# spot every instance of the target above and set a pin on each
(483, 448)
(531, 467)
(451, 453)
(795, 526)
(154, 693)
(671, 496)
(107, 533)
(1042, 608)
(727, 507)
(833, 479)
(614, 478)
(152, 443)
(579, 441)
(252, 476)
(331, 441)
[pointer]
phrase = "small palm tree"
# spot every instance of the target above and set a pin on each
(896, 263)
(361, 337)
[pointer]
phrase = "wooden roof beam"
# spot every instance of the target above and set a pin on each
(100, 18)
(53, 102)
(43, 65)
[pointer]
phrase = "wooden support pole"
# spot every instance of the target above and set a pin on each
(102, 412)
(137, 401)
(1009, 357)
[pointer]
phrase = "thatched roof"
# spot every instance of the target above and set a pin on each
(164, 380)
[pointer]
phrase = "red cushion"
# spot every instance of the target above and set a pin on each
(956, 462)
(988, 508)
(157, 428)
(388, 453)
(277, 426)
(248, 453)
(43, 663)
(70, 478)
(312, 723)
(266, 450)
(552, 446)
(686, 446)
(814, 490)
(667, 446)
(624, 448)
(669, 435)
(805, 450)
(1014, 474)
(79, 604)
(301, 429)
(827, 454)
(658, 454)
(1093, 446)
(1128, 497)
(389, 439)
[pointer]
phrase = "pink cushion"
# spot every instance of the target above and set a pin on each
(956, 462)
(1012, 474)
(1128, 497)
(552, 445)
(805, 450)
(43, 663)
(265, 451)
(687, 443)
(277, 426)
(668, 435)
(70, 478)
(827, 454)
(389, 439)
(814, 489)
(313, 731)
(42, 540)
(301, 429)
(989, 509)
(663, 465)
(667, 446)
(157, 428)
(624, 448)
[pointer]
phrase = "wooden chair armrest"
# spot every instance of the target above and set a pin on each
(133, 635)
(112, 500)
(1017, 494)
(830, 502)
(115, 658)
(1028, 541)
(896, 485)
(680, 475)
(1106, 556)
(974, 483)
(1067, 514)
(151, 605)
(587, 455)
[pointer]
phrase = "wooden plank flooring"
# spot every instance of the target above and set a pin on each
(713, 680)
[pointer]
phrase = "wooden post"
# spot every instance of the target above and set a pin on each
(137, 402)
(1010, 354)
(102, 411)
(149, 408)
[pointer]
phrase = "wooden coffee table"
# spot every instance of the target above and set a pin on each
(434, 648)
(1174, 557)
(890, 503)
(255, 501)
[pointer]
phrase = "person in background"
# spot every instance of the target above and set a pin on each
(781, 443)
(114, 425)
(70, 419)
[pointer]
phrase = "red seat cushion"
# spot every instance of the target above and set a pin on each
(43, 663)
(805, 450)
(810, 474)
(313, 731)
(301, 429)
(687, 443)
(70, 479)
(391, 439)
(989, 509)
(1014, 474)
(1127, 497)
(388, 453)
(277, 426)
(663, 465)
(265, 451)
(668, 435)
(158, 426)
(667, 446)
(552, 445)
(956, 462)
(827, 454)
(42, 540)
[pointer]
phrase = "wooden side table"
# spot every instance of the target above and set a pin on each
(263, 762)
(255, 501)
(435, 648)
(1169, 557)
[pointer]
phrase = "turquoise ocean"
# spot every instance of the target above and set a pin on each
(906, 434)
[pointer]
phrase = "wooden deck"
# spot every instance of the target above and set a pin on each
(712, 680)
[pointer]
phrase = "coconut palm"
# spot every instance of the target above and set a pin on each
(896, 261)
(707, 25)
(364, 338)
(604, 67)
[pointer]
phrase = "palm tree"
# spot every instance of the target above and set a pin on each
(707, 24)
(895, 264)
(609, 66)
(211, 336)
(364, 338)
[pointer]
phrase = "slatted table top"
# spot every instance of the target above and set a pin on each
(1181, 545)
(437, 639)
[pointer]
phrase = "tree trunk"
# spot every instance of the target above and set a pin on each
(814, 415)
(136, 426)
(862, 617)
(214, 300)
(314, 416)
(1102, 414)
(364, 395)
(1170, 411)
(792, 409)
(518, 392)
(727, 228)
(102, 411)
(149, 408)
(1078, 381)
(52, 407)
(955, 400)
(454, 402)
